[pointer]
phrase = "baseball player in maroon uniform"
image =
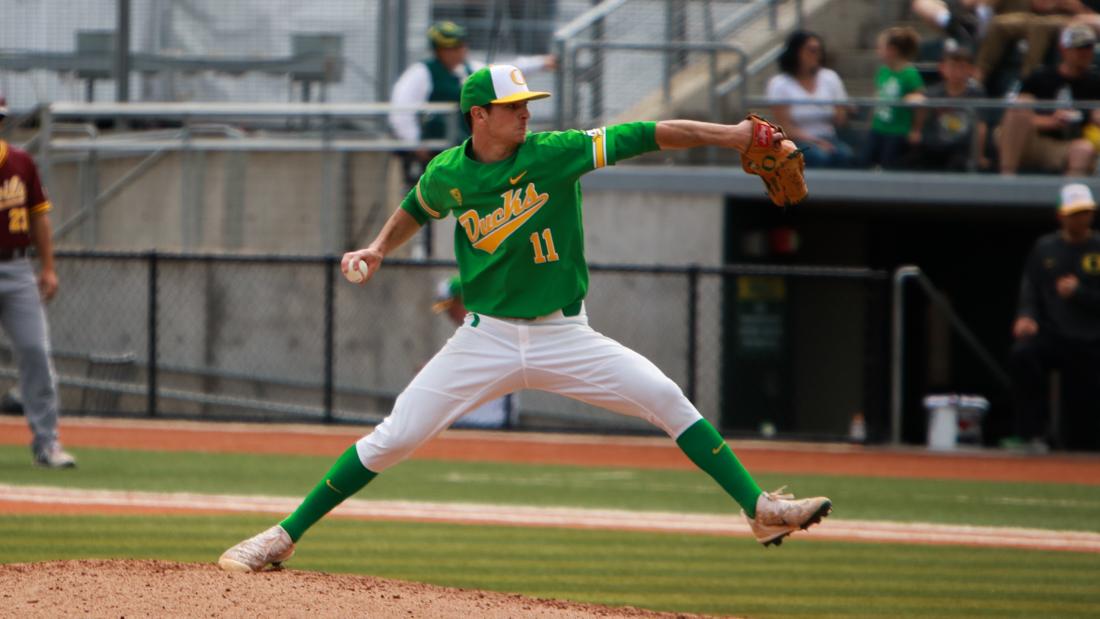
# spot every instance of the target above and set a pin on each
(25, 223)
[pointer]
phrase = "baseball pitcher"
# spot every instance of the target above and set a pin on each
(519, 241)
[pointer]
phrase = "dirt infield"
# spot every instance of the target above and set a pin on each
(581, 450)
(120, 588)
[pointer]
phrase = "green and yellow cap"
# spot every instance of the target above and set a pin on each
(496, 83)
(446, 34)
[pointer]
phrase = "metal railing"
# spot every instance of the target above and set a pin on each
(752, 11)
(711, 49)
(903, 275)
(592, 33)
(252, 126)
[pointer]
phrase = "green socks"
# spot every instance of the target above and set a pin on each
(708, 450)
(701, 442)
(344, 479)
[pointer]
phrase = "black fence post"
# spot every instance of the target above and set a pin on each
(330, 334)
(151, 363)
(692, 329)
(876, 392)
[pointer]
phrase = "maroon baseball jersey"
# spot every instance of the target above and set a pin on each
(21, 196)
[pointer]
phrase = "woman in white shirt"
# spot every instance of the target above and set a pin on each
(803, 77)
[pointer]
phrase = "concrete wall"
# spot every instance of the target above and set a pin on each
(224, 201)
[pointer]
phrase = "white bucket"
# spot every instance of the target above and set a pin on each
(943, 428)
(946, 413)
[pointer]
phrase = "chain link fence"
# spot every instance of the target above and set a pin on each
(285, 338)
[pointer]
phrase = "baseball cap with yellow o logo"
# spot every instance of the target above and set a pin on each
(496, 83)
(1075, 198)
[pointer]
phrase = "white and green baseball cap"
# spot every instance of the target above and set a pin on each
(1075, 198)
(496, 83)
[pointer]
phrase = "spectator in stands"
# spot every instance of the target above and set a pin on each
(1038, 25)
(897, 79)
(1052, 141)
(813, 127)
(439, 80)
(1058, 326)
(949, 135)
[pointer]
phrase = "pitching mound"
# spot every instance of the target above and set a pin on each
(123, 588)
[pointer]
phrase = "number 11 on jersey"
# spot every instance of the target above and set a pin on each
(551, 254)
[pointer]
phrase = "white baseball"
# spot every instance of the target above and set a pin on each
(357, 271)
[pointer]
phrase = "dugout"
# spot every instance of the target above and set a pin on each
(969, 234)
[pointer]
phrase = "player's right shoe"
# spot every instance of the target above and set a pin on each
(253, 554)
(53, 456)
(779, 515)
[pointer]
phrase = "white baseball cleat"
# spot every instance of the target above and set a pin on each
(779, 515)
(54, 457)
(253, 554)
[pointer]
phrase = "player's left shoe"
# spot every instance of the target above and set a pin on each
(253, 554)
(53, 456)
(779, 515)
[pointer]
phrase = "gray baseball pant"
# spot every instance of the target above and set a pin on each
(24, 320)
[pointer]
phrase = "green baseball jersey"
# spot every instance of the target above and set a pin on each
(893, 85)
(519, 236)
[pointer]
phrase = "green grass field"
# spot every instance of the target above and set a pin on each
(673, 572)
(1048, 506)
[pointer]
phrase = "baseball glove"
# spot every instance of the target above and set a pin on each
(779, 163)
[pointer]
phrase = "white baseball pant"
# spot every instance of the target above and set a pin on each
(559, 354)
(24, 319)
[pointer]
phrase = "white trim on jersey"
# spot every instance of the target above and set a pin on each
(599, 147)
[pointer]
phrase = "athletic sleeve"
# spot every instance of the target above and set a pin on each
(575, 152)
(529, 64)
(421, 203)
(609, 145)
